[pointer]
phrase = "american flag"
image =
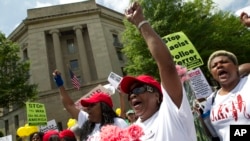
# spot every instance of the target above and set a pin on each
(74, 80)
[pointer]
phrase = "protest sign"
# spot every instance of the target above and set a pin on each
(199, 83)
(182, 50)
(36, 114)
(6, 138)
(114, 79)
(51, 125)
(97, 89)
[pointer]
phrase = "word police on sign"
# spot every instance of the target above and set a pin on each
(182, 50)
(239, 132)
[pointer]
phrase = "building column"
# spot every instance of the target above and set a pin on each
(58, 52)
(83, 54)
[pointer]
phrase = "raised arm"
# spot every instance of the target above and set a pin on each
(245, 19)
(159, 51)
(68, 103)
(244, 69)
(122, 104)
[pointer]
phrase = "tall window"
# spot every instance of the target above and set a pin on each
(80, 79)
(71, 46)
(74, 64)
(6, 125)
(25, 54)
(16, 118)
(116, 41)
(118, 47)
(120, 55)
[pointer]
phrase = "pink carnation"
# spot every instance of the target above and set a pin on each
(110, 133)
(114, 133)
(182, 72)
(135, 132)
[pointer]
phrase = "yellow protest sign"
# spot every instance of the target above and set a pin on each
(36, 114)
(182, 50)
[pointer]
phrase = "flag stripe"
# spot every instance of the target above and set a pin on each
(74, 80)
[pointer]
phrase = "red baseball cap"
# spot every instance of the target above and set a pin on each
(97, 97)
(50, 133)
(128, 81)
(66, 133)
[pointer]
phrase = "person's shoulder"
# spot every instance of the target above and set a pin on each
(120, 122)
(119, 119)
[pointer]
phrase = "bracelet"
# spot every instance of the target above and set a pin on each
(142, 23)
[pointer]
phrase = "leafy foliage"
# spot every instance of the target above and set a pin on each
(207, 28)
(14, 75)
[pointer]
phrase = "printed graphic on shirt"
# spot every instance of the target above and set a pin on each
(231, 109)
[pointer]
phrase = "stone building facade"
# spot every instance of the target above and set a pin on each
(83, 36)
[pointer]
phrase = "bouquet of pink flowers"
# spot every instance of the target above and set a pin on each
(114, 133)
(182, 72)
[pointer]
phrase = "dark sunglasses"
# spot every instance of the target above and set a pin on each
(141, 89)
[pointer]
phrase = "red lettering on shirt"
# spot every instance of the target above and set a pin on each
(230, 110)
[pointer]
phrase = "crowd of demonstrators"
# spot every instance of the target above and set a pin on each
(162, 109)
(98, 111)
(230, 104)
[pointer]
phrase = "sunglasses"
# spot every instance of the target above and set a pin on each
(141, 89)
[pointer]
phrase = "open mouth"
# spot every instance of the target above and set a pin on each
(136, 103)
(222, 73)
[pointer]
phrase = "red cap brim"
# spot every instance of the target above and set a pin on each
(127, 82)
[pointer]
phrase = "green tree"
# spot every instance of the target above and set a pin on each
(14, 75)
(207, 28)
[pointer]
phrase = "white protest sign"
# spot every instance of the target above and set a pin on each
(6, 138)
(114, 79)
(97, 89)
(51, 125)
(199, 83)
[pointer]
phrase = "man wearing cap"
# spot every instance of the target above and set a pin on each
(130, 114)
(163, 109)
(98, 112)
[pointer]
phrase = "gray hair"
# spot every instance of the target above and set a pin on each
(228, 54)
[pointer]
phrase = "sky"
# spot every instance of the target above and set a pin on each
(13, 12)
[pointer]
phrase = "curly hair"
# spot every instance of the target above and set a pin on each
(108, 115)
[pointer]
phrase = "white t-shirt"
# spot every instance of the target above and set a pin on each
(170, 123)
(95, 135)
(229, 109)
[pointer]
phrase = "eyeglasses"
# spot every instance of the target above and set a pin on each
(141, 89)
